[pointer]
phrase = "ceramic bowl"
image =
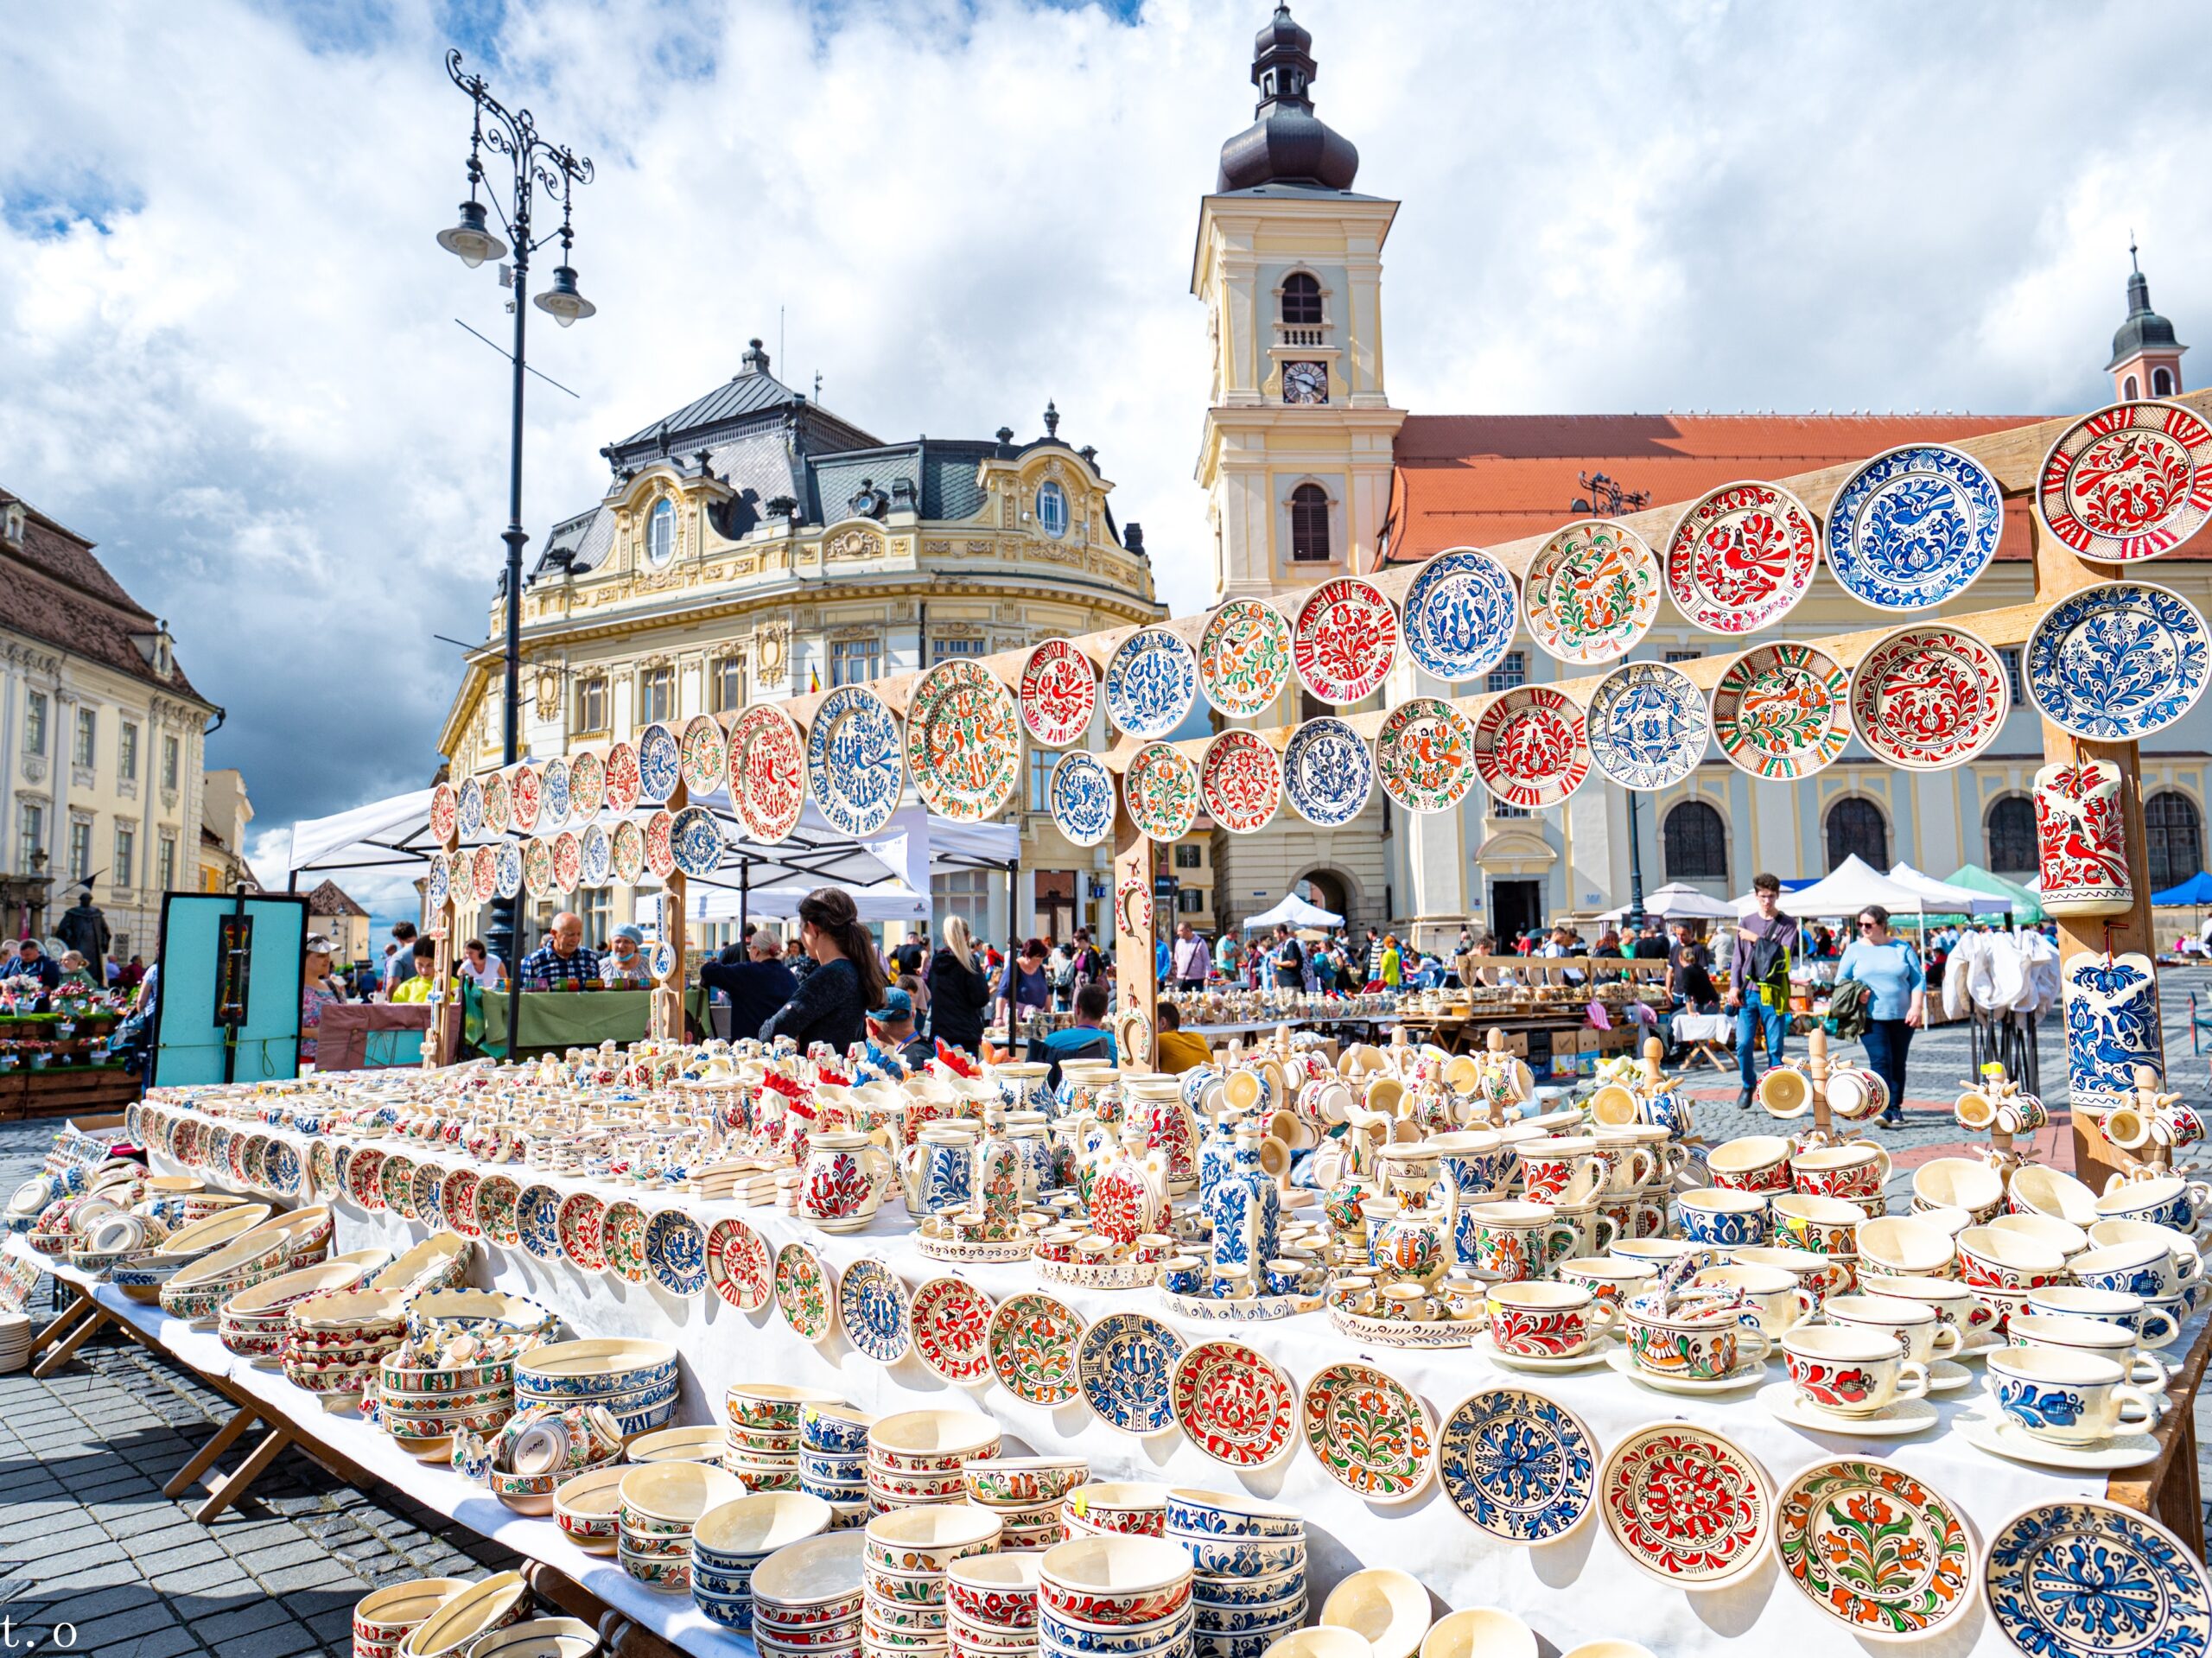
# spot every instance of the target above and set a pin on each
(1479, 1632)
(1964, 1183)
(835, 1428)
(815, 1573)
(2067, 1238)
(994, 1590)
(2043, 1191)
(1905, 1245)
(1329, 1641)
(1118, 1506)
(383, 1618)
(1243, 1557)
(770, 1406)
(750, 1529)
(587, 1508)
(481, 1310)
(1387, 1607)
(197, 1291)
(929, 1540)
(677, 1493)
(596, 1369)
(678, 1445)
(439, 1262)
(1251, 1592)
(1114, 1580)
(231, 1219)
(539, 1637)
(1023, 1481)
(928, 1441)
(1218, 1514)
(1992, 1259)
(493, 1603)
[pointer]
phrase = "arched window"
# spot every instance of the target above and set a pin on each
(2130, 389)
(1856, 826)
(660, 533)
(1696, 842)
(2175, 835)
(2162, 382)
(1309, 523)
(1301, 300)
(2012, 829)
(1052, 509)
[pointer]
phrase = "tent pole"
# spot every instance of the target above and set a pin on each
(744, 895)
(1013, 948)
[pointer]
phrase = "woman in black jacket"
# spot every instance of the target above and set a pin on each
(959, 990)
(833, 1002)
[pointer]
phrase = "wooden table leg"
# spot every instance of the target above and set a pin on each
(75, 1339)
(63, 1320)
(203, 1459)
(234, 1486)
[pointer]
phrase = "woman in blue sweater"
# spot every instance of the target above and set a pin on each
(1898, 996)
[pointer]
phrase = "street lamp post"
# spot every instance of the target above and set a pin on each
(533, 161)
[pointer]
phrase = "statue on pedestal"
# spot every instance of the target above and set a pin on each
(83, 929)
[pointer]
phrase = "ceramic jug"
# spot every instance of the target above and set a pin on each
(839, 1187)
(996, 1177)
(1022, 1086)
(1155, 1104)
(1246, 1210)
(1412, 1243)
(938, 1169)
(1128, 1193)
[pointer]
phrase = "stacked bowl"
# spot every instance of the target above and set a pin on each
(384, 1618)
(334, 1344)
(1248, 1557)
(991, 1606)
(909, 1552)
(678, 1445)
(432, 1387)
(634, 1381)
(197, 1292)
(732, 1540)
(303, 1236)
(1115, 1508)
(916, 1457)
(807, 1599)
(1026, 1493)
(481, 1313)
(439, 1262)
(661, 1502)
(588, 1508)
(833, 1459)
(1126, 1597)
(536, 1451)
(761, 1444)
(252, 1324)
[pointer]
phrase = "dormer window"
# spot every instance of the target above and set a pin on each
(1052, 510)
(1301, 301)
(660, 533)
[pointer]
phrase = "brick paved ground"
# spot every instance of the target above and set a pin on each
(86, 1535)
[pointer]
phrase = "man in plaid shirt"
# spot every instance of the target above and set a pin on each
(562, 961)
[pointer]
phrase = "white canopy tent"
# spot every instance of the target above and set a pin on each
(1941, 897)
(891, 900)
(1295, 911)
(1677, 901)
(1846, 890)
(384, 834)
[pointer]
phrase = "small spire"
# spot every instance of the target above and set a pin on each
(2133, 263)
(1052, 419)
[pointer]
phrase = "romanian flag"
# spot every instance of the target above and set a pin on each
(814, 679)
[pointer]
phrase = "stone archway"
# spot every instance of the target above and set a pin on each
(1333, 890)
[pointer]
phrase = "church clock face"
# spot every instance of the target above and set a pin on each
(1306, 382)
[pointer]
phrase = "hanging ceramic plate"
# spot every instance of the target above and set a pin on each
(1425, 755)
(622, 780)
(1125, 1362)
(581, 1223)
(1688, 1506)
(1034, 1345)
(598, 849)
(587, 785)
(660, 960)
(660, 843)
(1162, 789)
(1646, 725)
(1240, 781)
(1150, 683)
(963, 740)
(805, 1293)
(1368, 1433)
(704, 759)
(538, 867)
(437, 879)
(1059, 691)
(1460, 614)
(1344, 641)
(2131, 481)
(556, 802)
(1083, 797)
(1529, 747)
(1928, 697)
(853, 768)
(2091, 1579)
(497, 806)
(952, 1329)
(1245, 656)
(1914, 526)
(1780, 711)
(1236, 1404)
(507, 869)
(629, 850)
(739, 1266)
(660, 762)
(696, 838)
(767, 773)
(2112, 662)
(1518, 1465)
(524, 795)
(567, 861)
(621, 1230)
(676, 1251)
(1874, 1548)
(445, 812)
(1327, 772)
(1742, 558)
(874, 1312)
(1592, 593)
(484, 872)
(468, 810)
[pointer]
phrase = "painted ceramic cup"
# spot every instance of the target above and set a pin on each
(1768, 1296)
(1851, 1372)
(1714, 1215)
(1609, 1280)
(2154, 1326)
(1549, 1167)
(1512, 1241)
(1954, 1304)
(1595, 1229)
(1856, 1170)
(1633, 1217)
(1996, 1260)
(1753, 1163)
(1547, 1321)
(2166, 1199)
(1917, 1328)
(1826, 1226)
(2068, 1397)
(2099, 1335)
(2146, 1268)
(1182, 1274)
(1700, 1345)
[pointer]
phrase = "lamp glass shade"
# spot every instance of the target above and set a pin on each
(472, 240)
(561, 302)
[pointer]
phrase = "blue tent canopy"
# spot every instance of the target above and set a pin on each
(2197, 889)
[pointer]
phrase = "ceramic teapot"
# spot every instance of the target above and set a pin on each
(1409, 1240)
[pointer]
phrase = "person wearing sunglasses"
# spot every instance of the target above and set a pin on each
(1898, 1000)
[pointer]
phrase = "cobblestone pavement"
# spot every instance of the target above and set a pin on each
(87, 1539)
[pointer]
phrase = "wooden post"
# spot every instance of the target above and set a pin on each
(445, 1018)
(664, 1022)
(1816, 1068)
(1135, 935)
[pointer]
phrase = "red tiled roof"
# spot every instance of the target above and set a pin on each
(54, 589)
(1478, 480)
(331, 898)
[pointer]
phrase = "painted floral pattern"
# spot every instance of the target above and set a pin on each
(1914, 526)
(1425, 755)
(1518, 1465)
(1460, 614)
(1327, 772)
(963, 740)
(1240, 781)
(1592, 593)
(1872, 1547)
(1529, 747)
(1033, 1342)
(524, 795)
(2112, 1025)
(872, 1311)
(767, 773)
(1234, 1404)
(1926, 698)
(804, 1292)
(1741, 558)
(854, 766)
(2081, 845)
(1368, 1433)
(952, 1329)
(1161, 787)
(1082, 797)
(1150, 683)
(2117, 662)
(586, 784)
(704, 758)
(622, 780)
(739, 1265)
(1686, 1505)
(1126, 1362)
(2089, 1579)
(2132, 480)
(1780, 711)
(1344, 641)
(1646, 725)
(1244, 657)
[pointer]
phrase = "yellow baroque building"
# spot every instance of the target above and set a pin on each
(752, 546)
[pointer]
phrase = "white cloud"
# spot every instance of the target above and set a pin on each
(248, 385)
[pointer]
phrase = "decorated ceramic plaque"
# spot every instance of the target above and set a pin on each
(952, 1329)
(660, 843)
(587, 785)
(660, 762)
(2131, 481)
(1425, 755)
(1518, 1465)
(468, 808)
(538, 867)
(622, 780)
(1161, 788)
(1928, 697)
(1689, 1507)
(853, 765)
(2082, 840)
(437, 879)
(704, 757)
(767, 773)
(629, 852)
(1245, 656)
(696, 841)
(874, 1312)
(598, 849)
(1646, 725)
(1529, 747)
(1240, 781)
(445, 812)
(963, 740)
(1460, 614)
(2090, 1579)
(1780, 711)
(1327, 772)
(739, 1266)
(498, 804)
(1125, 1363)
(555, 779)
(1236, 1404)
(1368, 1433)
(2111, 1003)
(1914, 526)
(567, 861)
(1344, 640)
(1059, 692)
(1592, 593)
(1150, 683)
(507, 868)
(1742, 558)
(661, 960)
(524, 795)
(1133, 905)
(805, 1293)
(1873, 1547)
(484, 872)
(1034, 1339)
(1083, 797)
(2113, 663)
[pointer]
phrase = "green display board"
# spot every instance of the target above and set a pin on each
(228, 1006)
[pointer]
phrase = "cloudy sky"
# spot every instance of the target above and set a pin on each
(230, 354)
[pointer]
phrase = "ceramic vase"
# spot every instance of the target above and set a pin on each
(2080, 852)
(1246, 1210)
(2112, 1027)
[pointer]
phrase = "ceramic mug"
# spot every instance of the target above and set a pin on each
(1786, 1092)
(1700, 1345)
(1182, 1274)
(2068, 1396)
(1595, 1229)
(1547, 1321)
(1823, 1275)
(2154, 1326)
(1752, 1163)
(1916, 1327)
(1854, 1170)
(2144, 1268)
(1855, 1093)
(1851, 1372)
(1768, 1296)
(1826, 1226)
(1719, 1217)
(1633, 1217)
(2114, 1342)
(1954, 1304)
(1609, 1280)
(1991, 1258)
(1512, 1240)
(1548, 1167)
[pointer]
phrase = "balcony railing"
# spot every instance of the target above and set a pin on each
(1299, 333)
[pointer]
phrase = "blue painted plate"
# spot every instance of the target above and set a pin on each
(1914, 526)
(1083, 797)
(1460, 614)
(2088, 1579)
(2118, 661)
(554, 802)
(1518, 1465)
(874, 1312)
(660, 762)
(1327, 772)
(537, 1213)
(1646, 725)
(507, 866)
(598, 856)
(676, 1250)
(1151, 683)
(439, 880)
(853, 767)
(1123, 1365)
(696, 841)
(469, 819)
